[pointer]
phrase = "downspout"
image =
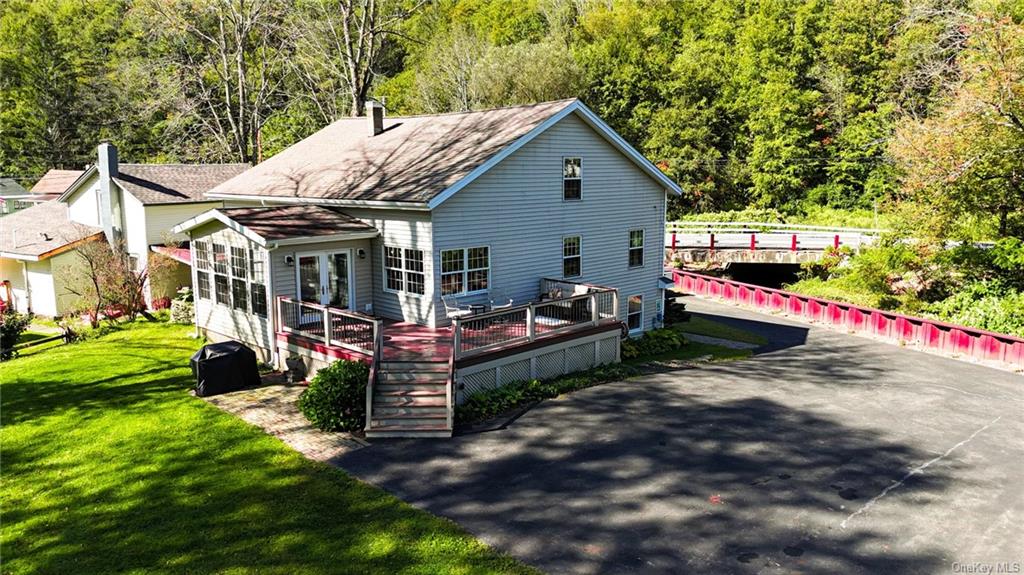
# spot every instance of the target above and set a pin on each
(272, 304)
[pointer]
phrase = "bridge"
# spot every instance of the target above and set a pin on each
(759, 242)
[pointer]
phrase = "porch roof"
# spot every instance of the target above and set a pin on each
(284, 225)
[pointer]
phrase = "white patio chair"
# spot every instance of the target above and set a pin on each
(452, 309)
(500, 300)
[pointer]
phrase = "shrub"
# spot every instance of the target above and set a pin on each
(654, 342)
(182, 311)
(336, 398)
(12, 324)
(990, 305)
(494, 402)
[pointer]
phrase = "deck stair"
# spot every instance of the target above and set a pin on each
(410, 399)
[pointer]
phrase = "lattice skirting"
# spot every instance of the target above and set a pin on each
(544, 363)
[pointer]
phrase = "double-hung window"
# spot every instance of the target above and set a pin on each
(257, 282)
(635, 312)
(636, 248)
(221, 285)
(403, 270)
(465, 270)
(203, 266)
(572, 179)
(572, 256)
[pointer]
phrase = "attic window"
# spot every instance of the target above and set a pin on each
(572, 179)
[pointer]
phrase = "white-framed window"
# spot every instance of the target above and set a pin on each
(257, 282)
(635, 312)
(239, 276)
(572, 179)
(465, 270)
(403, 270)
(572, 256)
(203, 285)
(636, 248)
(202, 250)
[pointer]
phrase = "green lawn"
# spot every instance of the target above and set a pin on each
(711, 328)
(694, 350)
(110, 466)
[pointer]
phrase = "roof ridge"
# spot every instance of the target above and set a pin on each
(184, 164)
(462, 113)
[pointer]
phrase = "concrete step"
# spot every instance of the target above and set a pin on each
(388, 387)
(432, 376)
(391, 400)
(383, 411)
(408, 431)
(414, 366)
(409, 420)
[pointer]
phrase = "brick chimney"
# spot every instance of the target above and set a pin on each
(375, 115)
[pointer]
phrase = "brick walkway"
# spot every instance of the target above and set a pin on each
(273, 408)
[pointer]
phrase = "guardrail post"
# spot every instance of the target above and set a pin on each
(835, 242)
(673, 241)
(792, 245)
(456, 336)
(753, 242)
(531, 328)
(712, 246)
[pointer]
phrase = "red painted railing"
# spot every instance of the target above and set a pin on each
(928, 333)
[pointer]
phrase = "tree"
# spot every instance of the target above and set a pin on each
(967, 155)
(226, 68)
(107, 281)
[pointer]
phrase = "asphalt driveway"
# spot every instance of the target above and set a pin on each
(824, 453)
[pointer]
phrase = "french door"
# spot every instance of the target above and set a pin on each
(326, 278)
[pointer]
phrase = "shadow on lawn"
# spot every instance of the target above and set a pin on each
(136, 476)
(619, 478)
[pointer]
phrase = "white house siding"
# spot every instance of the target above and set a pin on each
(83, 206)
(284, 274)
(403, 229)
(136, 230)
(517, 210)
(14, 272)
(219, 321)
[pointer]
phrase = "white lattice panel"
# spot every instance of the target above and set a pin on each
(579, 357)
(550, 364)
(515, 371)
(608, 349)
(479, 381)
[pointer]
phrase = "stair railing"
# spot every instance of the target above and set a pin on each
(449, 388)
(378, 352)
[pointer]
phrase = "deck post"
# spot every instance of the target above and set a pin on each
(280, 315)
(327, 326)
(531, 328)
(595, 315)
(615, 303)
(456, 337)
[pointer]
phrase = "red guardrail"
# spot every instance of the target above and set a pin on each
(928, 333)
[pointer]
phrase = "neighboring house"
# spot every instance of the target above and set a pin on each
(12, 196)
(134, 205)
(423, 219)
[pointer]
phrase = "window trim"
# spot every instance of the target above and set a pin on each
(384, 270)
(580, 178)
(630, 248)
(640, 328)
(564, 257)
(465, 271)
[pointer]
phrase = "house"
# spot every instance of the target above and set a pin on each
(485, 247)
(134, 205)
(12, 196)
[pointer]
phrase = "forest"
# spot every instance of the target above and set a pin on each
(797, 110)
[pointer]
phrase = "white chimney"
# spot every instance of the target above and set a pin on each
(109, 204)
(375, 115)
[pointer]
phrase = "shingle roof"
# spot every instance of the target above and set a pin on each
(174, 183)
(289, 222)
(55, 182)
(9, 187)
(413, 160)
(41, 231)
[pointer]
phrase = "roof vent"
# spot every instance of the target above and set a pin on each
(375, 115)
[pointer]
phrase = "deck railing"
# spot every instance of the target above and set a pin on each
(526, 323)
(332, 326)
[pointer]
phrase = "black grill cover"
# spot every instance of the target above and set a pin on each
(224, 367)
